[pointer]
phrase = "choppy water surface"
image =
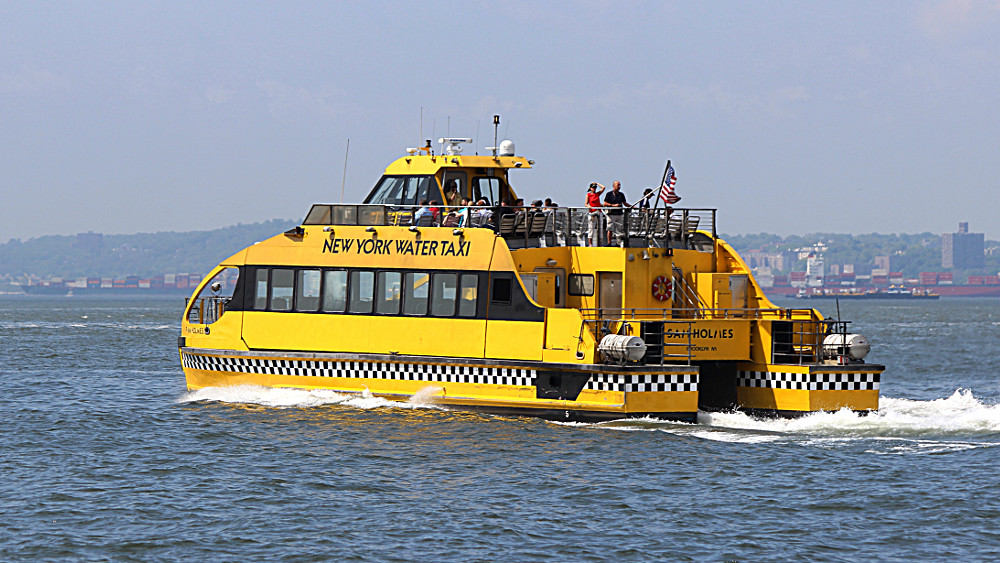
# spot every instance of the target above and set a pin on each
(105, 456)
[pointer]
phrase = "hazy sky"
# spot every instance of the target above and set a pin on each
(790, 117)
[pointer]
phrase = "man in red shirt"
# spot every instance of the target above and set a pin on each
(594, 217)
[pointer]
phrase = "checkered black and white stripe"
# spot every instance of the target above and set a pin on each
(365, 370)
(431, 373)
(643, 382)
(830, 381)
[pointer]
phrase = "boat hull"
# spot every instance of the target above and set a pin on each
(793, 390)
(570, 392)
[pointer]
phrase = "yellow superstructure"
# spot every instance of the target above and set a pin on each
(509, 310)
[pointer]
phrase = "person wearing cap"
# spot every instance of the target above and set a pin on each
(647, 194)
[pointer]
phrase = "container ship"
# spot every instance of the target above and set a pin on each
(890, 293)
(509, 310)
(167, 284)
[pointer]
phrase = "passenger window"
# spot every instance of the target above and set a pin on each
(307, 291)
(470, 293)
(362, 291)
(389, 293)
(580, 284)
(445, 293)
(502, 290)
(417, 286)
(282, 281)
(260, 290)
(334, 291)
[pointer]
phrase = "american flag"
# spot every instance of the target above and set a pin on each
(667, 190)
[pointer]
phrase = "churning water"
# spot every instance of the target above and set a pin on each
(105, 456)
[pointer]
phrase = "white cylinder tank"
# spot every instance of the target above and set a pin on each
(854, 346)
(622, 348)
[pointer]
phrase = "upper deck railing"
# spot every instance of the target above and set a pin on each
(531, 227)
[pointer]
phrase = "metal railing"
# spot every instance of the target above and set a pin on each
(797, 334)
(206, 310)
(800, 342)
(532, 227)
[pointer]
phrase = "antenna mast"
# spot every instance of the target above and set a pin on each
(343, 181)
(496, 125)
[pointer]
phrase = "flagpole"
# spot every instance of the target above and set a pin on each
(660, 188)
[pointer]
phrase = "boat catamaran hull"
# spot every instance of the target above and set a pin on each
(514, 313)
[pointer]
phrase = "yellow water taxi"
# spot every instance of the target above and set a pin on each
(517, 311)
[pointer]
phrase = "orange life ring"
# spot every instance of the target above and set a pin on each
(663, 288)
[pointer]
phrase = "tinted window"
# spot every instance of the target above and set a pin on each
(388, 190)
(401, 190)
(334, 291)
(417, 188)
(362, 291)
(260, 290)
(282, 281)
(469, 294)
(445, 295)
(488, 188)
(502, 290)
(389, 293)
(417, 288)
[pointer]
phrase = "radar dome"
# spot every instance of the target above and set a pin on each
(506, 148)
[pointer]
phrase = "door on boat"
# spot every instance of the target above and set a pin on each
(541, 287)
(609, 291)
(556, 297)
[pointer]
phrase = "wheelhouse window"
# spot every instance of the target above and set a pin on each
(362, 288)
(488, 188)
(307, 290)
(334, 291)
(417, 287)
(400, 190)
(282, 286)
(389, 293)
(457, 180)
(445, 294)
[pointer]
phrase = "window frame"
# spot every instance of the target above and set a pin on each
(571, 284)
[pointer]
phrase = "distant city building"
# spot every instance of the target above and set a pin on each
(963, 249)
(773, 260)
(814, 271)
(89, 241)
(882, 263)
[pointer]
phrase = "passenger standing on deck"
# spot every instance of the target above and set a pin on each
(594, 217)
(615, 199)
(643, 204)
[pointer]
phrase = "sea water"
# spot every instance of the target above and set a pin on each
(105, 455)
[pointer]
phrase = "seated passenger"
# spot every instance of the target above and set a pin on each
(483, 213)
(463, 213)
(424, 216)
(435, 210)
